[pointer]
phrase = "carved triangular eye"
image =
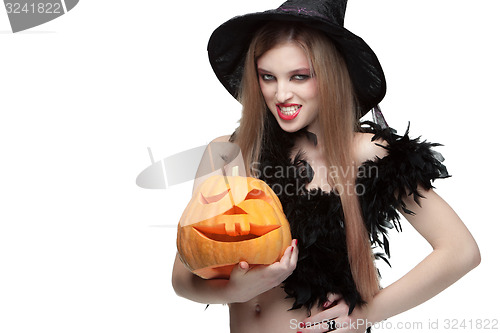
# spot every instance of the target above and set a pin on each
(235, 210)
(258, 194)
(213, 198)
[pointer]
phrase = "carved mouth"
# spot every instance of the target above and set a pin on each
(218, 232)
(234, 226)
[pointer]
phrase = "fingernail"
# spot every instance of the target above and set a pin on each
(325, 304)
(291, 250)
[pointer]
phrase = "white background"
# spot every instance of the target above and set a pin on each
(83, 249)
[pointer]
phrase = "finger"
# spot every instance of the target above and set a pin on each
(295, 252)
(315, 326)
(324, 326)
(290, 254)
(243, 265)
(339, 310)
(347, 326)
(331, 299)
(287, 255)
(239, 269)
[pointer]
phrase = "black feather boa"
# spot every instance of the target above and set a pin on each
(316, 217)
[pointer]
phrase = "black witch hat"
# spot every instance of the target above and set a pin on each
(229, 43)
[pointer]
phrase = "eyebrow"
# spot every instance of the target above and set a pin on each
(295, 71)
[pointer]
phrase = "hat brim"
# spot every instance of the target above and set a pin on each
(229, 43)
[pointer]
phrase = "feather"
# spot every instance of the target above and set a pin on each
(316, 217)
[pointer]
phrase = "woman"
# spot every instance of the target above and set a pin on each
(304, 81)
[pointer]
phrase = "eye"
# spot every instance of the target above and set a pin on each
(266, 77)
(300, 77)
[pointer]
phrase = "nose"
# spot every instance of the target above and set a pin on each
(283, 92)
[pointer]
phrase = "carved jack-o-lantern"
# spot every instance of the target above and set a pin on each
(228, 220)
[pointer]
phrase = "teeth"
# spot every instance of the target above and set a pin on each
(289, 110)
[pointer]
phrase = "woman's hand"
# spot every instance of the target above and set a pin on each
(247, 282)
(335, 318)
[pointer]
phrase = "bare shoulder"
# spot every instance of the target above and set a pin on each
(366, 149)
(212, 159)
(224, 138)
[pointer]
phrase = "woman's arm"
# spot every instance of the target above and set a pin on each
(191, 286)
(455, 253)
(244, 282)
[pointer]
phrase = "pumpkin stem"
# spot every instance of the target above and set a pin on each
(235, 171)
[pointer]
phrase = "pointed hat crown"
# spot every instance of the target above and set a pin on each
(229, 43)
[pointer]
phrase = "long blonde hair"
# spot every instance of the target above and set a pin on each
(338, 119)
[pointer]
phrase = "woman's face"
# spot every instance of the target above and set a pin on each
(288, 87)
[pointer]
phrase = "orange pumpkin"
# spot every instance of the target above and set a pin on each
(228, 220)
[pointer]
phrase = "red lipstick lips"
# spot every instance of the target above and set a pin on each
(288, 111)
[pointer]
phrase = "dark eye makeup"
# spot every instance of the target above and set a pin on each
(296, 77)
(300, 77)
(267, 77)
